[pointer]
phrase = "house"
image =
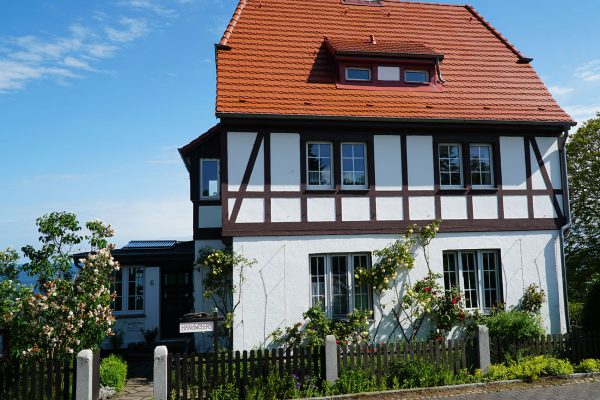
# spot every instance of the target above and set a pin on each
(154, 288)
(342, 122)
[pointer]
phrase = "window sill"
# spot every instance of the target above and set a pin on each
(313, 190)
(127, 314)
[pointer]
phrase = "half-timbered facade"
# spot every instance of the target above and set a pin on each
(338, 132)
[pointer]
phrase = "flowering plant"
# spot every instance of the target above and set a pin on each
(218, 282)
(64, 314)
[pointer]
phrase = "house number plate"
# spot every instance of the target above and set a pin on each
(191, 327)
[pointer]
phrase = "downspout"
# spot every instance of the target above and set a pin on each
(439, 70)
(564, 230)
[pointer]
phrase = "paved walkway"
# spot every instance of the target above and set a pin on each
(139, 382)
(581, 390)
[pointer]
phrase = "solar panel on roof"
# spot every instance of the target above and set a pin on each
(150, 244)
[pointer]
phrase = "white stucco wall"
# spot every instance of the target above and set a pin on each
(239, 147)
(277, 289)
(285, 162)
(419, 151)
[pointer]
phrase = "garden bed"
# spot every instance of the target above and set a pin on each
(467, 389)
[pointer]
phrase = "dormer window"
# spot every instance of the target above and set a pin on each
(416, 76)
(358, 74)
(377, 64)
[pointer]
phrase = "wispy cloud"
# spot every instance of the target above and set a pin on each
(560, 90)
(130, 30)
(27, 58)
(582, 113)
(149, 5)
(79, 51)
(589, 72)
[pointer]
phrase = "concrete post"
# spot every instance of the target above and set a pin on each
(331, 364)
(85, 362)
(160, 373)
(483, 348)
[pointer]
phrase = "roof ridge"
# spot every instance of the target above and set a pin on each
(497, 33)
(234, 19)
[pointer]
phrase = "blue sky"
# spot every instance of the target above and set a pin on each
(96, 96)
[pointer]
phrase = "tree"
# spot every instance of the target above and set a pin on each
(583, 243)
(65, 314)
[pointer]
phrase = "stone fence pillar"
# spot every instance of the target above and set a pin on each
(160, 373)
(331, 363)
(483, 347)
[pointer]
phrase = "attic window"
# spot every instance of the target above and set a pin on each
(416, 76)
(364, 2)
(358, 74)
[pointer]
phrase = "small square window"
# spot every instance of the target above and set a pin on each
(358, 74)
(416, 76)
(388, 73)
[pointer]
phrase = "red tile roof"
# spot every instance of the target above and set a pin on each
(273, 60)
(377, 47)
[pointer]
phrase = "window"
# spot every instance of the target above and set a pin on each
(450, 160)
(476, 273)
(416, 76)
(388, 73)
(481, 165)
(130, 293)
(358, 74)
(117, 286)
(333, 285)
(209, 181)
(353, 165)
(319, 165)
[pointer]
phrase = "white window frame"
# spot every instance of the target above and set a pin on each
(461, 166)
(480, 287)
(407, 71)
(366, 185)
(125, 291)
(331, 178)
(328, 306)
(218, 196)
(489, 146)
(359, 69)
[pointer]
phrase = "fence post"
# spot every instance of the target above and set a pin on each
(160, 373)
(483, 347)
(331, 360)
(85, 360)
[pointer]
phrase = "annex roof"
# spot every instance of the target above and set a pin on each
(274, 60)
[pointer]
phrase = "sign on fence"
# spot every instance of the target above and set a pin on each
(193, 327)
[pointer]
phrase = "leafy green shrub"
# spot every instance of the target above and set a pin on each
(514, 325)
(355, 381)
(113, 372)
(273, 387)
(417, 374)
(499, 372)
(588, 365)
(532, 300)
(589, 312)
(529, 369)
(225, 392)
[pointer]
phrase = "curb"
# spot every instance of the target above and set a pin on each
(450, 387)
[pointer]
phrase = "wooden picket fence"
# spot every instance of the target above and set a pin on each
(378, 359)
(38, 380)
(574, 347)
(196, 376)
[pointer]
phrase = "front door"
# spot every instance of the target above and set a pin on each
(177, 299)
